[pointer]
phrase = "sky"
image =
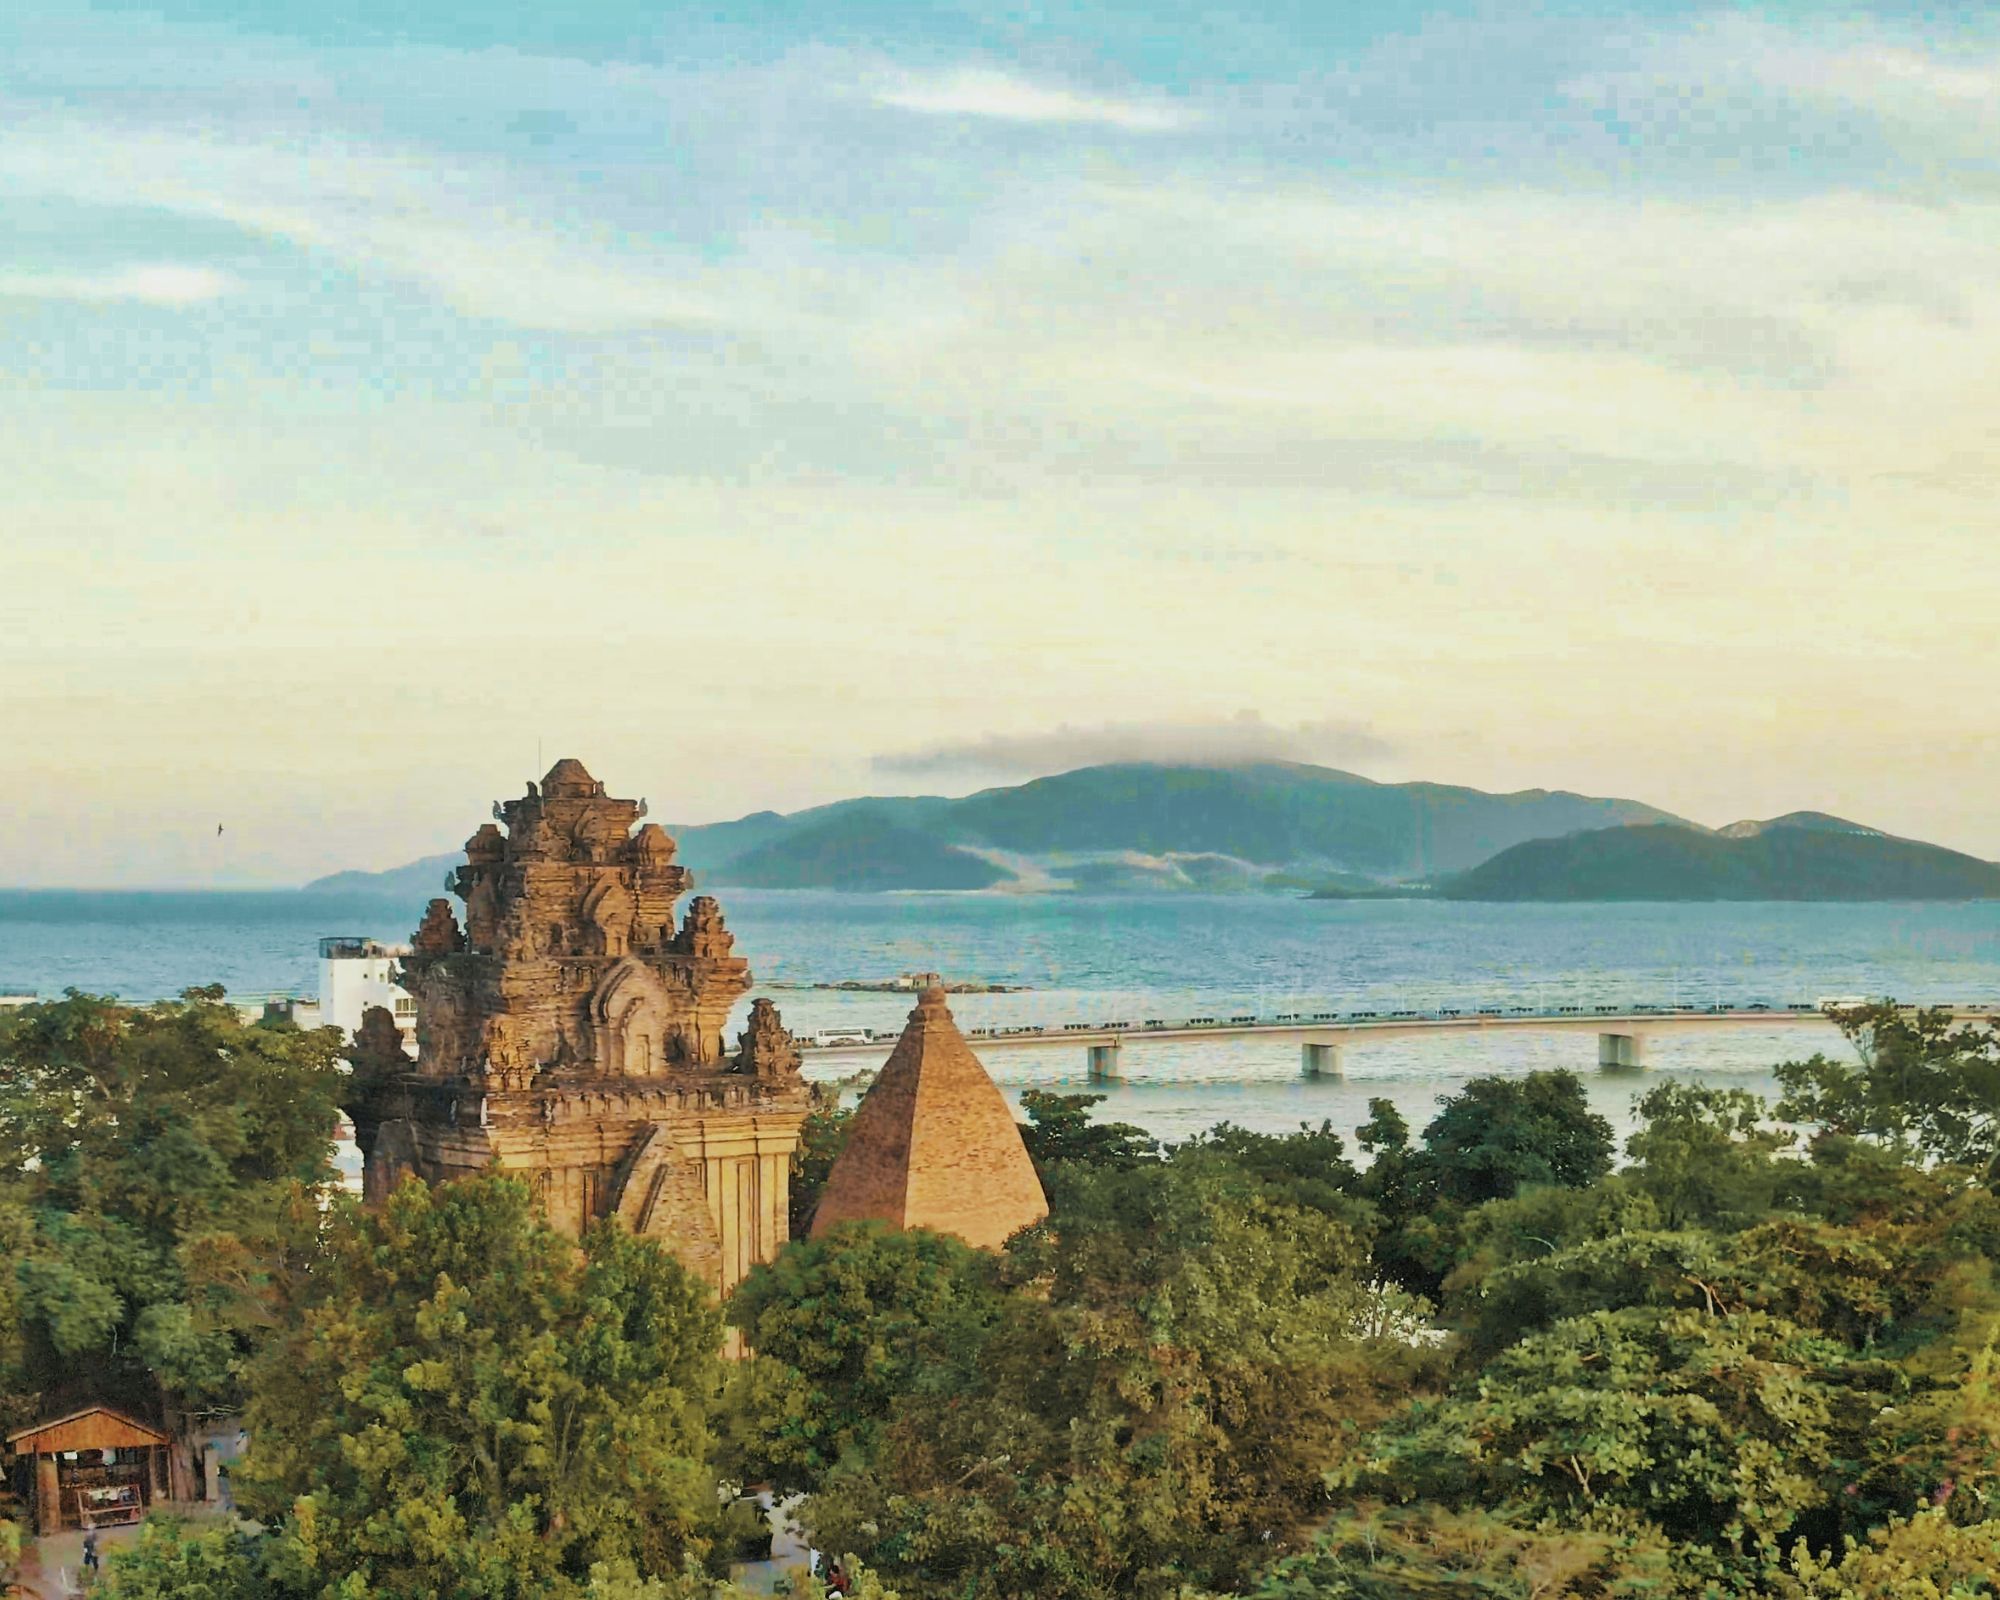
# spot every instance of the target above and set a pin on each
(861, 398)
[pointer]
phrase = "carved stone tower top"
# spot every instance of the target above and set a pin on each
(571, 965)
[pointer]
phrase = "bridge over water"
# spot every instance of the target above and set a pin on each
(1622, 1031)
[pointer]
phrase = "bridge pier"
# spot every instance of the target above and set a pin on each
(1103, 1063)
(1319, 1058)
(1621, 1052)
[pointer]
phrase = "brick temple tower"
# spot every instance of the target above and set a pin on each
(572, 1031)
(933, 1144)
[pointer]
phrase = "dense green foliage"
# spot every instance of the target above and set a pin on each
(468, 1403)
(1144, 1394)
(1484, 1364)
(844, 1327)
(822, 1136)
(1925, 1083)
(1747, 1364)
(151, 1162)
(1061, 1134)
(173, 1560)
(1667, 861)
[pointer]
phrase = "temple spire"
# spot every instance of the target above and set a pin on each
(934, 1144)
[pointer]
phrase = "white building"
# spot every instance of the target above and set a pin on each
(356, 973)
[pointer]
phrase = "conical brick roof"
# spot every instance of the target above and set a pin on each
(933, 1144)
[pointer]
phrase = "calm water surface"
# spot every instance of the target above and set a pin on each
(1131, 958)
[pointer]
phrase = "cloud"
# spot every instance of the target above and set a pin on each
(1729, 78)
(996, 95)
(1589, 346)
(1245, 737)
(155, 284)
(472, 233)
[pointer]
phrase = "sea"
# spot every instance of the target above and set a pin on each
(1142, 957)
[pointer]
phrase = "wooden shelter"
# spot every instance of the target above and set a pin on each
(94, 1468)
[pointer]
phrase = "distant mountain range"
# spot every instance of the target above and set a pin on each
(1125, 827)
(1141, 827)
(1804, 856)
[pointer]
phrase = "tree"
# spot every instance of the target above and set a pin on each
(1723, 1429)
(1387, 1182)
(471, 1404)
(1183, 1358)
(1920, 1080)
(1500, 1135)
(822, 1136)
(170, 1560)
(613, 1581)
(1059, 1132)
(17, 1233)
(1308, 1168)
(1705, 1155)
(1428, 1553)
(1923, 1555)
(1497, 1138)
(160, 1152)
(844, 1326)
(175, 1560)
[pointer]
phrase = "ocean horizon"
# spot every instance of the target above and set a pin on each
(1130, 958)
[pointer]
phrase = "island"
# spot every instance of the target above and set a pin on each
(912, 983)
(1803, 856)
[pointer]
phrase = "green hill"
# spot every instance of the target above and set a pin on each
(860, 850)
(1817, 859)
(415, 882)
(1126, 828)
(1277, 814)
(1134, 827)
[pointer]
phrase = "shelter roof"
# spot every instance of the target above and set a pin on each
(92, 1428)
